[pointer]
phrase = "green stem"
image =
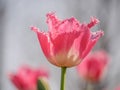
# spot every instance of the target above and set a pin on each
(89, 86)
(63, 77)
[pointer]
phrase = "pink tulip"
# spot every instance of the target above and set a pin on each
(118, 88)
(68, 41)
(26, 78)
(93, 66)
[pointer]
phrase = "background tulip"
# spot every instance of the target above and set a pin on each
(26, 77)
(93, 66)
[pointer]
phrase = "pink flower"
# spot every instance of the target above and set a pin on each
(93, 66)
(67, 42)
(26, 78)
(118, 88)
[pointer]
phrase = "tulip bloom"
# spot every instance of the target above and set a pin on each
(68, 41)
(93, 66)
(26, 78)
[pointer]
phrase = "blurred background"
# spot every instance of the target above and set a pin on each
(19, 45)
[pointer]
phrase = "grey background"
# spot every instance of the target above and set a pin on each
(19, 45)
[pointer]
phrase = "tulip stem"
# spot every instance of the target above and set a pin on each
(89, 86)
(63, 77)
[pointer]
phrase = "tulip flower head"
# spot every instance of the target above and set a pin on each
(26, 78)
(67, 41)
(93, 66)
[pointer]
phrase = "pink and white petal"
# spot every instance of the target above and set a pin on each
(85, 38)
(23, 72)
(81, 42)
(47, 47)
(62, 60)
(52, 21)
(68, 25)
(16, 81)
(93, 22)
(64, 41)
(44, 41)
(46, 44)
(43, 72)
(103, 57)
(94, 38)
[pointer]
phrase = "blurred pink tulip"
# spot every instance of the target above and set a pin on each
(92, 67)
(118, 88)
(68, 41)
(26, 77)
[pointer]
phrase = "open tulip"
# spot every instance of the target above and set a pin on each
(68, 41)
(26, 78)
(93, 66)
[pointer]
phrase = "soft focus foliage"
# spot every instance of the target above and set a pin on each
(93, 66)
(68, 41)
(42, 84)
(26, 77)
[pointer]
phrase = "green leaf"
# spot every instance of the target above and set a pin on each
(42, 84)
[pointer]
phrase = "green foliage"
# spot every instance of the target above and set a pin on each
(42, 84)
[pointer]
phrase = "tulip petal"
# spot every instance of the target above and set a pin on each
(65, 35)
(84, 39)
(93, 22)
(92, 41)
(93, 66)
(52, 22)
(16, 80)
(69, 25)
(45, 43)
(63, 42)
